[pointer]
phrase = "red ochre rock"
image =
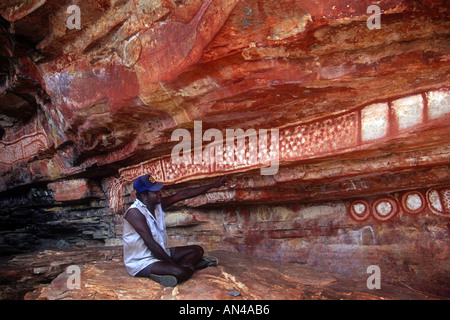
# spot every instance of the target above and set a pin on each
(111, 94)
(254, 279)
(359, 118)
(75, 189)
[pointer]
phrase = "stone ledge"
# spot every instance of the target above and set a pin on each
(24, 273)
(249, 277)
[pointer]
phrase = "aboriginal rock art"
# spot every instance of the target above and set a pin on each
(412, 202)
(330, 120)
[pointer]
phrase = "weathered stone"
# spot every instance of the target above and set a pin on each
(68, 190)
(26, 272)
(354, 119)
(252, 277)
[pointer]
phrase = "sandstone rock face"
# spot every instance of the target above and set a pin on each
(237, 277)
(334, 132)
(24, 273)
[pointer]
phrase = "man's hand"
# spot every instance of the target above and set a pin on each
(223, 181)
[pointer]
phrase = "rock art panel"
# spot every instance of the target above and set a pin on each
(70, 189)
(408, 111)
(357, 119)
(374, 121)
(438, 104)
(193, 61)
(22, 145)
(384, 209)
(413, 202)
(359, 210)
(336, 135)
(439, 201)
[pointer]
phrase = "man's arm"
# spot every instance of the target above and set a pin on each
(191, 192)
(137, 220)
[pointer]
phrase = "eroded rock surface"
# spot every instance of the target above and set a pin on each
(346, 163)
(237, 277)
(24, 273)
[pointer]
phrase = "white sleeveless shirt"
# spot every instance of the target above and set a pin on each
(136, 255)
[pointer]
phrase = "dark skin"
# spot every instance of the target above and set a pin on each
(185, 259)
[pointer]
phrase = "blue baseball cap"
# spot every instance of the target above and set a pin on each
(146, 182)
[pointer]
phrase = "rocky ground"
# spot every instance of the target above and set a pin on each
(44, 276)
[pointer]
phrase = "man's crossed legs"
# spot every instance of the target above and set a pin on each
(187, 259)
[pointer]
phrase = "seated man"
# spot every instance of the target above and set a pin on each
(145, 238)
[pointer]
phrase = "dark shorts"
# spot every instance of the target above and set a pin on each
(145, 273)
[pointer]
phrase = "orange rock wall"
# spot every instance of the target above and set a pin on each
(356, 121)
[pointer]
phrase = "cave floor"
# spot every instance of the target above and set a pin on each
(43, 275)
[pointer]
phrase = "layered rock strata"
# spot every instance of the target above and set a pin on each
(334, 134)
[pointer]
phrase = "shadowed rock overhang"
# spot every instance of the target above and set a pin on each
(353, 120)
